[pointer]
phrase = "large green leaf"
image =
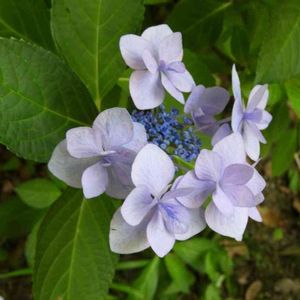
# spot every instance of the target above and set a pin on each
(26, 19)
(88, 32)
(73, 259)
(199, 21)
(279, 58)
(39, 100)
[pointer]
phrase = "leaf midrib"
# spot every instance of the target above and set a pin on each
(45, 108)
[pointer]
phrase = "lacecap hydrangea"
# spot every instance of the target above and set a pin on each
(134, 156)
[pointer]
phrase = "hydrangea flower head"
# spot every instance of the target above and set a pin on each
(150, 215)
(99, 159)
(156, 57)
(251, 119)
(235, 186)
(203, 104)
(170, 131)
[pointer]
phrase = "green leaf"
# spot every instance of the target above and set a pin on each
(283, 152)
(73, 259)
(88, 32)
(26, 19)
(38, 193)
(181, 276)
(279, 58)
(30, 248)
(192, 251)
(199, 70)
(212, 293)
(199, 21)
(17, 219)
(147, 282)
(39, 100)
(155, 2)
(293, 92)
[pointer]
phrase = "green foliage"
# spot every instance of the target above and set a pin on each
(279, 58)
(38, 193)
(199, 70)
(182, 278)
(28, 20)
(17, 219)
(88, 32)
(147, 281)
(283, 152)
(39, 100)
(73, 259)
(293, 91)
(199, 21)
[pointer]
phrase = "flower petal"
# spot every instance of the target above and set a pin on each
(67, 168)
(170, 48)
(251, 142)
(175, 216)
(160, 240)
(126, 239)
(236, 88)
(196, 224)
(258, 97)
(184, 82)
(171, 89)
(265, 120)
(240, 195)
(137, 205)
(115, 127)
(223, 131)
(94, 181)
(231, 149)
(150, 62)
(222, 202)
(208, 166)
(257, 183)
(254, 214)
(156, 34)
(81, 142)
(146, 89)
(119, 173)
(139, 139)
(152, 168)
(213, 100)
(201, 190)
(237, 174)
(232, 226)
(132, 48)
(193, 102)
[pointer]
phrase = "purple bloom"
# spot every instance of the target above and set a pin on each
(150, 215)
(156, 57)
(235, 186)
(203, 104)
(99, 159)
(253, 118)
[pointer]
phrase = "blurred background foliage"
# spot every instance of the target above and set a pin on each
(262, 37)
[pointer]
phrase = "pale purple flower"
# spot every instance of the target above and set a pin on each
(251, 119)
(156, 57)
(204, 104)
(99, 159)
(235, 186)
(150, 216)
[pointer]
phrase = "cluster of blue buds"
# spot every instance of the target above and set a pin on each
(169, 131)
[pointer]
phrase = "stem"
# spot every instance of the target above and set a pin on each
(183, 163)
(21, 272)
